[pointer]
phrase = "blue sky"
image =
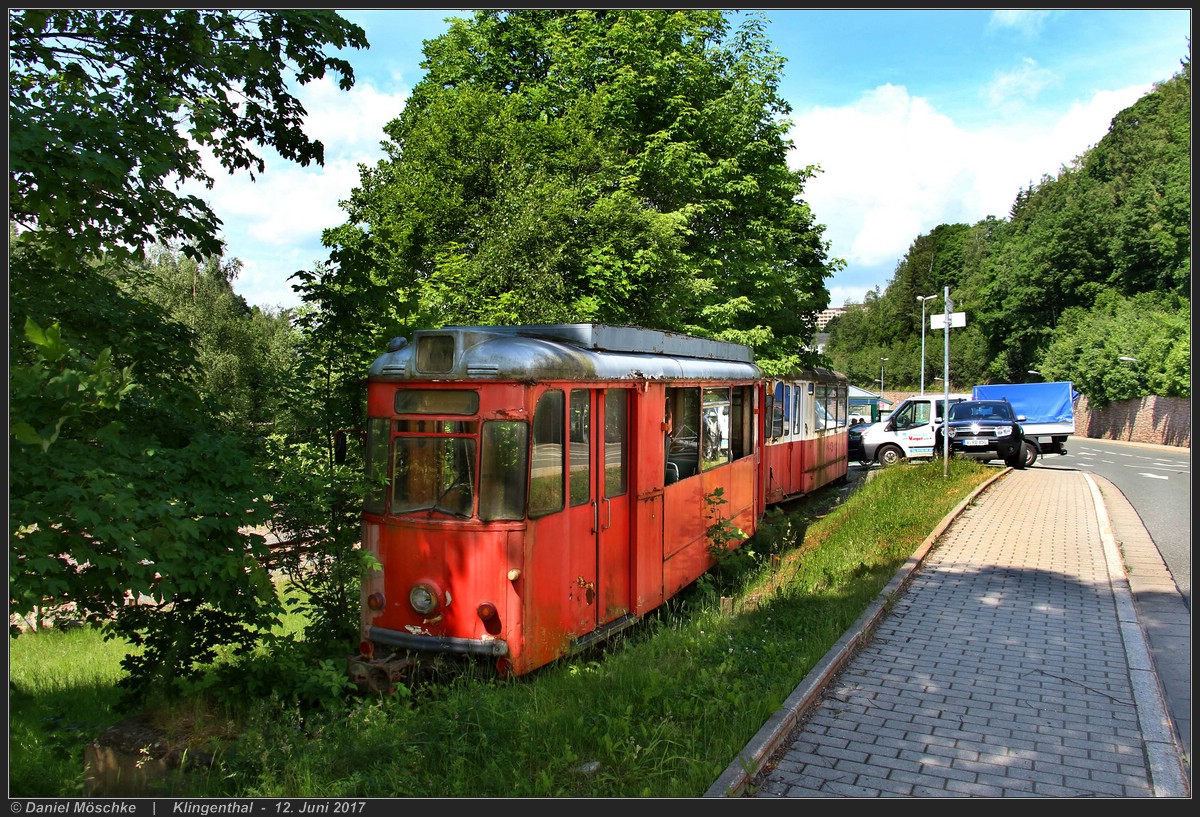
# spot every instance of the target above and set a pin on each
(915, 117)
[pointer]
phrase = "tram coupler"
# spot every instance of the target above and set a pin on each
(375, 675)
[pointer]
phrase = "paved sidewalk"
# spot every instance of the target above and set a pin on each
(1010, 662)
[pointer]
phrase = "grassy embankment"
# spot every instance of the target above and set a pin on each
(660, 712)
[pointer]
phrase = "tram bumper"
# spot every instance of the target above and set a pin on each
(490, 647)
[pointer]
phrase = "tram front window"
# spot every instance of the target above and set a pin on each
(502, 470)
(433, 474)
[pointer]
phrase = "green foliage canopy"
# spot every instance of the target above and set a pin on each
(107, 106)
(622, 166)
(126, 483)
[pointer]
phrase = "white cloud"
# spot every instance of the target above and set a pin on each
(1024, 21)
(274, 223)
(1021, 84)
(893, 168)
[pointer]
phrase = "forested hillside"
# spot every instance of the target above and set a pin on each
(1090, 266)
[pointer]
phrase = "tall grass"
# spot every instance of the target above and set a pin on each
(62, 688)
(659, 711)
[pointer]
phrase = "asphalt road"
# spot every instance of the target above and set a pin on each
(1157, 481)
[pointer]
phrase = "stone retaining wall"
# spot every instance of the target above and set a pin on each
(1157, 420)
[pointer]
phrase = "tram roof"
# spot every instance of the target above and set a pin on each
(608, 338)
(566, 350)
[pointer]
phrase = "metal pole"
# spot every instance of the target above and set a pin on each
(922, 345)
(923, 299)
(946, 389)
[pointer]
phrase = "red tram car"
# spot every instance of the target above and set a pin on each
(546, 486)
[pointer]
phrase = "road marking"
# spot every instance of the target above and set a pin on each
(1154, 476)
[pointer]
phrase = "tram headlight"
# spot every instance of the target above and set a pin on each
(423, 598)
(486, 611)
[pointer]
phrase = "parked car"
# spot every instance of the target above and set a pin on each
(907, 433)
(988, 429)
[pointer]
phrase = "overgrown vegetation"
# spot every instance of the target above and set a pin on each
(659, 712)
(143, 390)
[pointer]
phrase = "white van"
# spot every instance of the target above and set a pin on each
(907, 433)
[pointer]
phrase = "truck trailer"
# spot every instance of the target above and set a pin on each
(1048, 410)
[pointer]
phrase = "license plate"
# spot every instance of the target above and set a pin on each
(975, 442)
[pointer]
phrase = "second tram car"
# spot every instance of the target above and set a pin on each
(542, 487)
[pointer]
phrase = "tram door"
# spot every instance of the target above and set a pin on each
(599, 506)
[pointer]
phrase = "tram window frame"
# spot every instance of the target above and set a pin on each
(546, 492)
(718, 401)
(435, 354)
(739, 432)
(436, 401)
(616, 440)
(443, 480)
(503, 464)
(378, 442)
(778, 410)
(579, 448)
(683, 439)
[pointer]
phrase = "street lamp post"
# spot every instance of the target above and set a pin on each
(923, 299)
(882, 360)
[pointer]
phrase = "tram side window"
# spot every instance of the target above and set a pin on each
(502, 460)
(378, 433)
(683, 438)
(616, 442)
(824, 418)
(739, 433)
(547, 467)
(580, 447)
(779, 408)
(714, 430)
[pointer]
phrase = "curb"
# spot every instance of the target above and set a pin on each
(1167, 774)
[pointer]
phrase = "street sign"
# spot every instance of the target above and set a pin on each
(957, 320)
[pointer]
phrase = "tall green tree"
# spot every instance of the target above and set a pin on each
(246, 356)
(123, 482)
(108, 109)
(625, 166)
(888, 324)
(127, 502)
